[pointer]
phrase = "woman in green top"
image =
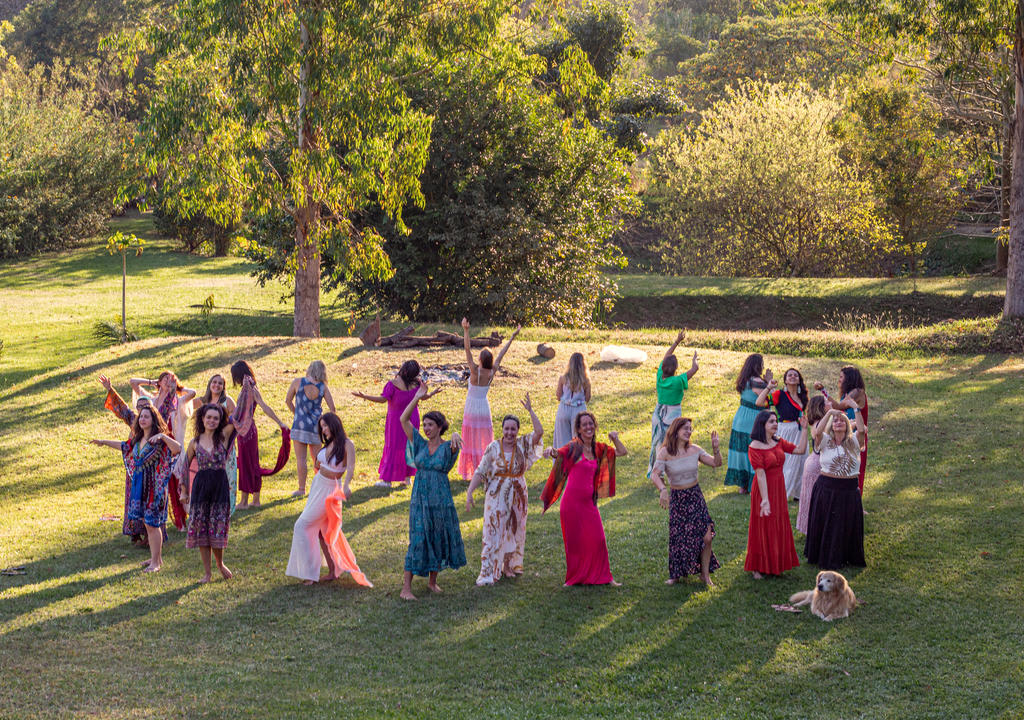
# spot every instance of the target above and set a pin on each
(670, 396)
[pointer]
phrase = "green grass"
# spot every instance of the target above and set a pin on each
(85, 634)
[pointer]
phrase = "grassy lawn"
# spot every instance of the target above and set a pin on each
(84, 634)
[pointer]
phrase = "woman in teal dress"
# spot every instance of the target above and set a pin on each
(435, 541)
(748, 385)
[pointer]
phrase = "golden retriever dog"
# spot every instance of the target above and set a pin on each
(831, 597)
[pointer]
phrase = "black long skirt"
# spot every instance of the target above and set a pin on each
(835, 525)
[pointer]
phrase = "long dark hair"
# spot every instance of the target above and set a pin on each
(208, 395)
(801, 389)
(758, 432)
(486, 359)
(752, 367)
(335, 434)
(158, 426)
(410, 374)
(200, 426)
(852, 380)
(671, 442)
(437, 417)
(239, 371)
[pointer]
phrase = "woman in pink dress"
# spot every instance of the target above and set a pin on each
(397, 393)
(585, 470)
(477, 425)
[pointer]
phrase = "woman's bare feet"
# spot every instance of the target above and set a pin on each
(671, 581)
(299, 493)
(330, 577)
(756, 575)
(615, 584)
(204, 579)
(707, 582)
(309, 582)
(434, 587)
(242, 506)
(152, 568)
(225, 573)
(145, 563)
(406, 594)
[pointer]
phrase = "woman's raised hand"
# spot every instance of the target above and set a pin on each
(613, 436)
(465, 323)
(421, 391)
(818, 386)
(105, 382)
(526, 403)
(714, 441)
(456, 441)
(681, 336)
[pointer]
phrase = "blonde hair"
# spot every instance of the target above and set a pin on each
(576, 373)
(849, 442)
(317, 370)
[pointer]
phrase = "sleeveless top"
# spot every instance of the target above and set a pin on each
(325, 465)
(215, 460)
(787, 407)
(308, 412)
(836, 461)
(679, 471)
(573, 398)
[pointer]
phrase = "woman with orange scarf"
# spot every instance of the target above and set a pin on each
(585, 470)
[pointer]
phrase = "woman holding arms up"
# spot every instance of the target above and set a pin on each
(435, 541)
(852, 395)
(501, 472)
(670, 389)
(250, 474)
(147, 462)
(585, 470)
(690, 527)
(573, 393)
(318, 528)
(216, 392)
(770, 548)
(477, 426)
(835, 523)
(305, 398)
(789, 403)
(397, 393)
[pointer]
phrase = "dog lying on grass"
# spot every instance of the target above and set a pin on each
(831, 599)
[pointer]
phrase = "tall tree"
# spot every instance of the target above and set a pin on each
(297, 109)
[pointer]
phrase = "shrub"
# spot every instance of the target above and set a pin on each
(62, 162)
(760, 188)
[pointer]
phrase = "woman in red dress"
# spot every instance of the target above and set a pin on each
(770, 548)
(585, 470)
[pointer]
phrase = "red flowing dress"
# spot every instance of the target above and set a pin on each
(586, 550)
(770, 548)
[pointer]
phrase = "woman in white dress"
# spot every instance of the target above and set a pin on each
(318, 528)
(501, 472)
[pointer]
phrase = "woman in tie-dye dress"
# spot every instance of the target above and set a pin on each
(477, 426)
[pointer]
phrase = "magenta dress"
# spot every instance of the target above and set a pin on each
(393, 467)
(586, 551)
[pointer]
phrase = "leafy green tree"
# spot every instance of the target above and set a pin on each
(520, 206)
(760, 188)
(297, 110)
(919, 172)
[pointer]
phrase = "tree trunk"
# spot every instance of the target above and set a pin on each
(1013, 306)
(124, 290)
(307, 249)
(1005, 183)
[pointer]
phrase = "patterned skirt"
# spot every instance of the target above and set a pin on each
(209, 510)
(661, 419)
(688, 522)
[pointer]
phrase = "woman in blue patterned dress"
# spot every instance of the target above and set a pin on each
(305, 398)
(748, 385)
(435, 541)
(147, 462)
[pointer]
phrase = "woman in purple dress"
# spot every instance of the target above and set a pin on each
(397, 393)
(250, 474)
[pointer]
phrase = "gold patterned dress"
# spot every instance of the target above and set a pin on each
(504, 531)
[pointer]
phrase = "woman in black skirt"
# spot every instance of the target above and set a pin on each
(210, 502)
(835, 525)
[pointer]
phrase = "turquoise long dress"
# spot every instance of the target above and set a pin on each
(435, 541)
(739, 472)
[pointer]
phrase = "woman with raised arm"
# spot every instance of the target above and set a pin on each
(853, 396)
(789, 405)
(398, 392)
(305, 398)
(835, 523)
(585, 470)
(250, 474)
(209, 506)
(477, 426)
(812, 468)
(770, 548)
(573, 393)
(690, 527)
(748, 385)
(318, 528)
(501, 472)
(670, 388)
(147, 461)
(435, 541)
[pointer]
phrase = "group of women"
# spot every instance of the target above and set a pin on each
(199, 476)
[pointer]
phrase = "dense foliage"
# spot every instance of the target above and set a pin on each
(61, 162)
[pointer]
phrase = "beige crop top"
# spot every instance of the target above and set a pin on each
(680, 471)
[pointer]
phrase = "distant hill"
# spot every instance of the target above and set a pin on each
(10, 8)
